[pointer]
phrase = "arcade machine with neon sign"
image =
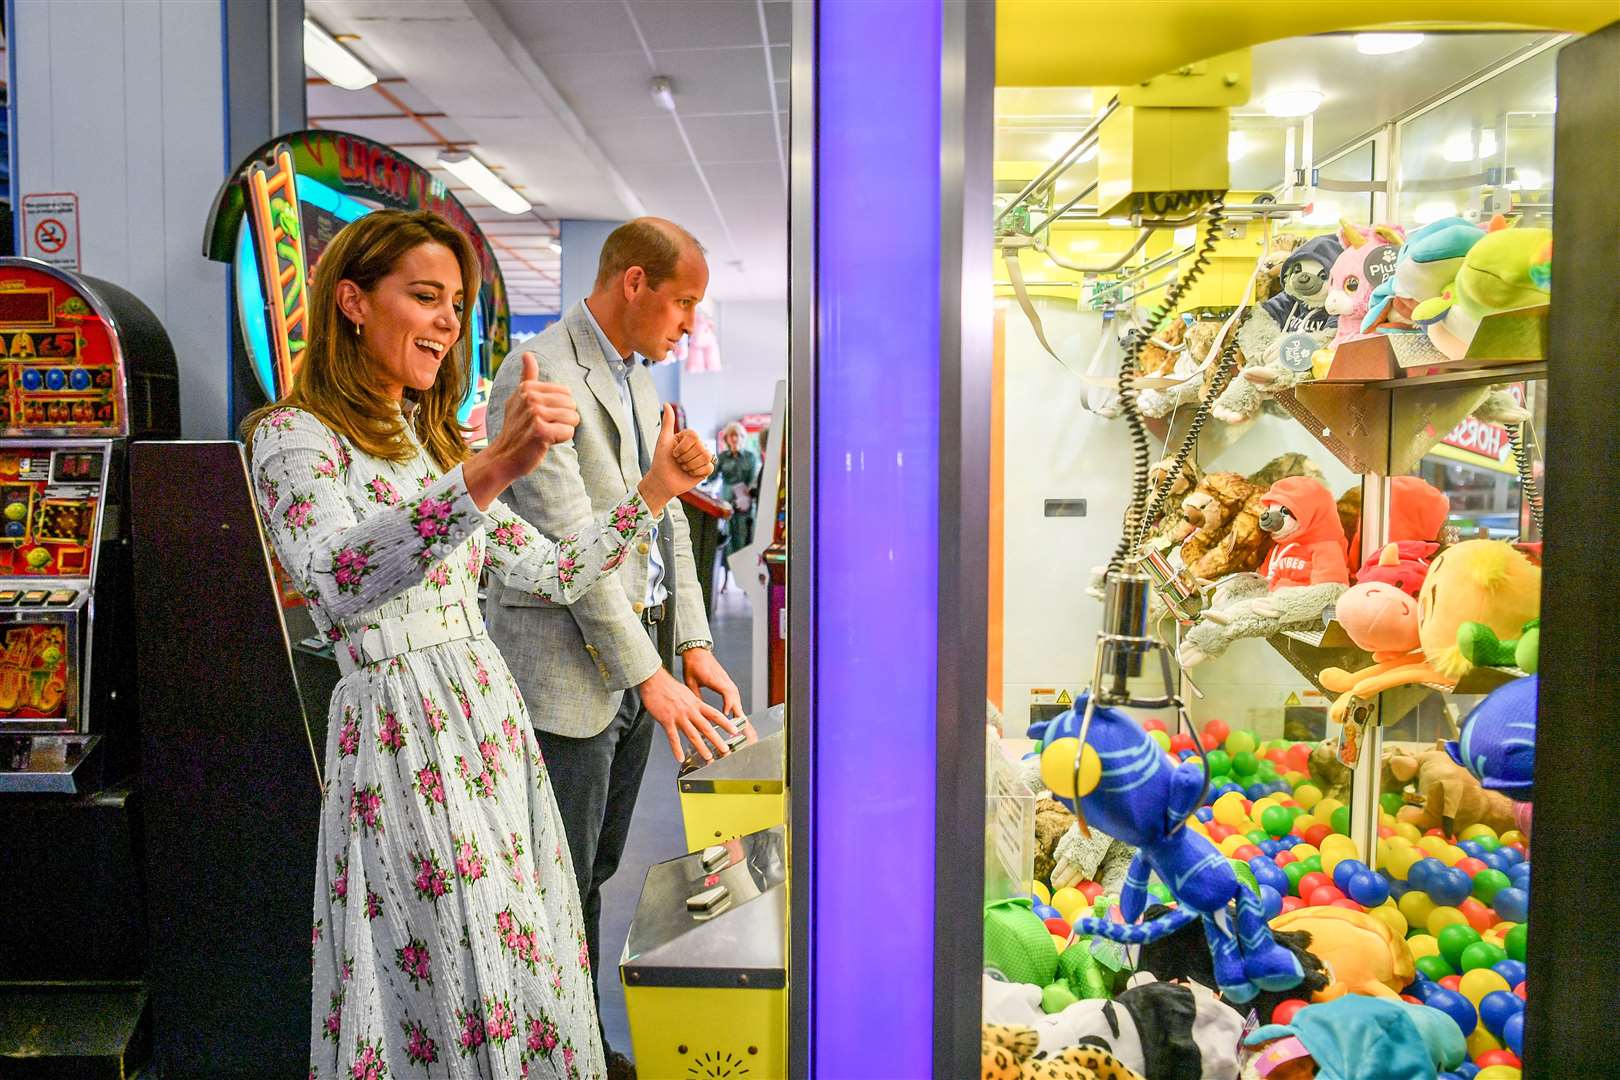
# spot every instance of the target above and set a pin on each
(86, 369)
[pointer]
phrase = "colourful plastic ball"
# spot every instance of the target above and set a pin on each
(1245, 764)
(1454, 940)
(1313, 880)
(1344, 870)
(1496, 1008)
(1292, 903)
(1219, 761)
(1161, 738)
(1341, 821)
(1489, 882)
(1276, 821)
(1039, 893)
(1245, 852)
(1479, 916)
(1390, 916)
(1368, 888)
(1480, 1042)
(1215, 733)
(1482, 955)
(1479, 982)
(1391, 802)
(1316, 834)
(1517, 939)
(1416, 907)
(1295, 872)
(1161, 892)
(1513, 971)
(1471, 866)
(1325, 896)
(1498, 1059)
(1271, 901)
(1422, 945)
(1435, 967)
(1070, 904)
(1513, 1033)
(1047, 911)
(1313, 863)
(1455, 1006)
(1057, 927)
(1283, 1012)
(1497, 1072)
(1443, 917)
(1512, 904)
(1153, 724)
(1180, 743)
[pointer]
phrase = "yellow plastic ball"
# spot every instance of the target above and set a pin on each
(1442, 917)
(1386, 819)
(1230, 845)
(1301, 852)
(1390, 915)
(1294, 779)
(1432, 845)
(1071, 902)
(1499, 1072)
(1197, 826)
(1057, 768)
(1416, 906)
(1423, 945)
(1482, 1042)
(1408, 831)
(1474, 832)
(1060, 941)
(1324, 810)
(1502, 928)
(1494, 937)
(1041, 893)
(1512, 836)
(1336, 849)
(1479, 982)
(1400, 861)
(1229, 810)
(1307, 795)
(1451, 856)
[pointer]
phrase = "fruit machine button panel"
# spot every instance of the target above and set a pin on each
(49, 509)
(60, 370)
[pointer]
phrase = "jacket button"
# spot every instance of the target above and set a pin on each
(637, 607)
(641, 548)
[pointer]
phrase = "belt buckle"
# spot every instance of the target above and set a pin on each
(653, 614)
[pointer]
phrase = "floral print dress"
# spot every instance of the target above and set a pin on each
(447, 937)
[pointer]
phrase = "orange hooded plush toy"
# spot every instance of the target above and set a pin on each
(1308, 546)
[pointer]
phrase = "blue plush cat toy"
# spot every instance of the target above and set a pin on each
(1498, 743)
(1131, 791)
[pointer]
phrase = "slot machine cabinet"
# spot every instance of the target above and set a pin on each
(84, 368)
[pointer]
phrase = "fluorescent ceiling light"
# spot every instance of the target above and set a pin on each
(476, 175)
(1384, 44)
(555, 245)
(333, 62)
(1430, 212)
(1322, 213)
(1237, 144)
(1294, 103)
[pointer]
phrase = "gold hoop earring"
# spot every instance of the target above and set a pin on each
(356, 329)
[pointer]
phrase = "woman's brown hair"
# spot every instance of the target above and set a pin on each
(337, 380)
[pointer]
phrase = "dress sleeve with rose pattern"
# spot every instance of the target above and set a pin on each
(350, 564)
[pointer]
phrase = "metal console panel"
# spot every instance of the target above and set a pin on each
(738, 794)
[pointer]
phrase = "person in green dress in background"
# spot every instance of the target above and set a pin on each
(738, 470)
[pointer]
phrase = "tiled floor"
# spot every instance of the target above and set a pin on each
(656, 833)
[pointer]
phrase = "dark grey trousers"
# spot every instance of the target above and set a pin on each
(596, 781)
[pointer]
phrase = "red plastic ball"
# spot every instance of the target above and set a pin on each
(1294, 903)
(1499, 1057)
(1519, 990)
(1520, 847)
(1411, 999)
(1299, 758)
(1219, 832)
(1324, 896)
(1276, 755)
(1348, 904)
(1301, 826)
(1283, 858)
(1179, 742)
(1311, 882)
(1470, 865)
(1090, 890)
(1058, 926)
(1436, 832)
(1316, 834)
(1451, 982)
(1385, 832)
(1153, 724)
(1283, 1012)
(1480, 917)
(1215, 733)
(1247, 852)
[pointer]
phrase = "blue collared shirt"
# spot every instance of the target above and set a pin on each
(621, 367)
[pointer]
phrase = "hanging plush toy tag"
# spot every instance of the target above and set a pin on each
(1296, 350)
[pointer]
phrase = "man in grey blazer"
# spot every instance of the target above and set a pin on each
(596, 675)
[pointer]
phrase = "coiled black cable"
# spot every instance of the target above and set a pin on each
(1141, 451)
(1527, 481)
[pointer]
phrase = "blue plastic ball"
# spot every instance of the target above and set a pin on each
(1512, 904)
(1455, 1006)
(1398, 889)
(1447, 1076)
(1205, 814)
(1366, 888)
(1472, 848)
(1496, 1007)
(1449, 887)
(1270, 847)
(1421, 987)
(1267, 872)
(1345, 870)
(1511, 856)
(1467, 1071)
(1422, 873)
(1256, 791)
(1514, 971)
(1520, 875)
(1270, 901)
(1513, 1032)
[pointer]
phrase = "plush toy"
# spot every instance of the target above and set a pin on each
(1293, 463)
(1298, 309)
(1367, 260)
(1358, 1038)
(1424, 265)
(1484, 581)
(1201, 349)
(1166, 1031)
(1171, 524)
(1303, 573)
(1447, 796)
(1418, 512)
(1160, 352)
(1095, 857)
(1480, 646)
(1184, 957)
(1362, 954)
(1498, 741)
(1133, 791)
(1331, 776)
(1222, 534)
(1010, 1053)
(1051, 822)
(1507, 270)
(1271, 265)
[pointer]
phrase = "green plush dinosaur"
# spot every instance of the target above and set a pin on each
(1479, 645)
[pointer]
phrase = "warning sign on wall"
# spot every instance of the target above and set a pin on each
(50, 228)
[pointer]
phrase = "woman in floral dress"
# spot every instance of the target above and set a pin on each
(447, 939)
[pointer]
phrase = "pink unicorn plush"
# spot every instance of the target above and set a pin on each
(1357, 272)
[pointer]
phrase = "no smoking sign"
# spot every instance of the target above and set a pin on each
(51, 228)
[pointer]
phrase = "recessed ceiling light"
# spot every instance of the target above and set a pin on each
(1430, 212)
(1294, 103)
(1384, 44)
(1237, 144)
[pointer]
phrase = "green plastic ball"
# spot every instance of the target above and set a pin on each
(1488, 843)
(1482, 954)
(1312, 865)
(1488, 882)
(1277, 821)
(1242, 742)
(1258, 836)
(1341, 821)
(1391, 802)
(1295, 871)
(1220, 762)
(1435, 967)
(1245, 764)
(1160, 737)
(1161, 892)
(1517, 939)
(1454, 939)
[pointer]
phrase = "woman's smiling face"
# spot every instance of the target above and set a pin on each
(411, 318)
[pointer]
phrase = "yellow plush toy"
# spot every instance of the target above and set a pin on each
(1361, 953)
(1007, 1053)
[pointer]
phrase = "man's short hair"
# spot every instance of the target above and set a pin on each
(649, 243)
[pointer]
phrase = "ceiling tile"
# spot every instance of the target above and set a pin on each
(569, 26)
(779, 20)
(706, 25)
(747, 181)
(718, 81)
(650, 140)
(675, 179)
(732, 138)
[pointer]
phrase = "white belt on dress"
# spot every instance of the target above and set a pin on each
(401, 634)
